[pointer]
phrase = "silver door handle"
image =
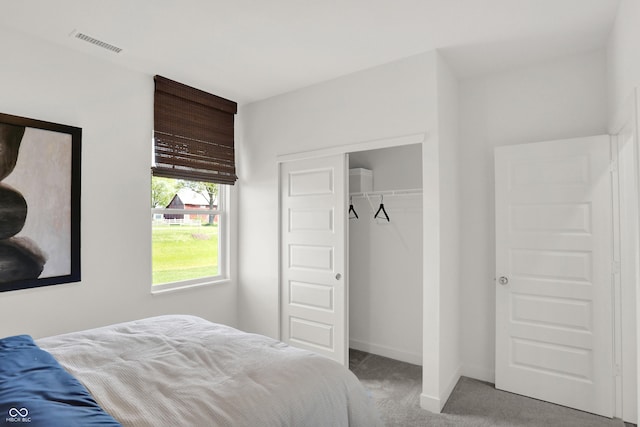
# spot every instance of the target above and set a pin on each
(503, 280)
(338, 276)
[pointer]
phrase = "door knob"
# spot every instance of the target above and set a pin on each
(338, 276)
(503, 280)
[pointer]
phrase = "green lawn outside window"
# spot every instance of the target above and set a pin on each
(183, 252)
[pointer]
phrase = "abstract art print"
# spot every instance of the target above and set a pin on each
(39, 203)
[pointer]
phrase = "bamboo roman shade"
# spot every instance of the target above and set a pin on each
(193, 134)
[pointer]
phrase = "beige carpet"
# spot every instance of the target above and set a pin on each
(396, 388)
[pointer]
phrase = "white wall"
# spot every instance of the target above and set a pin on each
(388, 101)
(393, 168)
(450, 210)
(623, 58)
(114, 108)
(385, 258)
(384, 102)
(554, 100)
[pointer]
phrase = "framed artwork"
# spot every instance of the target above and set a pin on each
(39, 203)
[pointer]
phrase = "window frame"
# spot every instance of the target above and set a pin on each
(223, 275)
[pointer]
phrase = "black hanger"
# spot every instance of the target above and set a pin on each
(381, 208)
(351, 209)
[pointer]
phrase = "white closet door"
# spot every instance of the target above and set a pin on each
(554, 332)
(313, 255)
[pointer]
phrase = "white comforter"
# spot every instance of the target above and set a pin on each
(186, 371)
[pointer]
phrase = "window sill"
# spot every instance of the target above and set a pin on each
(173, 287)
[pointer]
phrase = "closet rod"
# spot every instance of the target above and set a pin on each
(409, 192)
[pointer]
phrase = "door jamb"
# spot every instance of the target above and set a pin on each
(626, 117)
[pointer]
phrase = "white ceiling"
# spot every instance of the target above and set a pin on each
(247, 50)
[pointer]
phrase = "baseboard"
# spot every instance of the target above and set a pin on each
(430, 403)
(444, 396)
(391, 353)
(435, 404)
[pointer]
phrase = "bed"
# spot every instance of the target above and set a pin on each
(184, 370)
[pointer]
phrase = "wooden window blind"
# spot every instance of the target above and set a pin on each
(193, 134)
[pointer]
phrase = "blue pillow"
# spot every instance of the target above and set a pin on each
(36, 391)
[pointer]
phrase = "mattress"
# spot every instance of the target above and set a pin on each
(184, 370)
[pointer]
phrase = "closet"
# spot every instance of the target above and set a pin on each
(385, 252)
(353, 283)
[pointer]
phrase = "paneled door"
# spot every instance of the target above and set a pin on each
(313, 255)
(554, 332)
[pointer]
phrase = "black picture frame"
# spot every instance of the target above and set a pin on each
(40, 177)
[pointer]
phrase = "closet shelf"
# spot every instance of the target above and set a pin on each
(408, 192)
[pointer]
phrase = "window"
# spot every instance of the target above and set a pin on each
(189, 233)
(193, 167)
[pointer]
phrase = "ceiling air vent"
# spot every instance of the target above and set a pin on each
(96, 42)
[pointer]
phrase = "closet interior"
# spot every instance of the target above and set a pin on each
(385, 252)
